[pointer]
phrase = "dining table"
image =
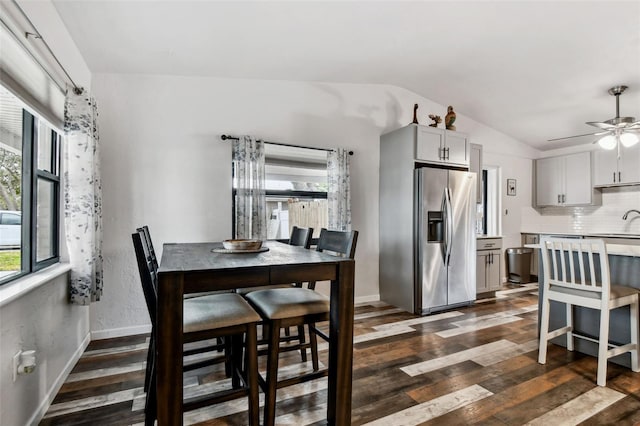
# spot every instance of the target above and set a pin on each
(203, 267)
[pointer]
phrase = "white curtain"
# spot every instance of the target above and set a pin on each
(83, 198)
(339, 194)
(249, 183)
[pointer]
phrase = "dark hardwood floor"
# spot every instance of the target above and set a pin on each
(472, 365)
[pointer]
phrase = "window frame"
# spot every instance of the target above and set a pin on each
(31, 176)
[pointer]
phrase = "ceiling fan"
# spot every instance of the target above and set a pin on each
(616, 131)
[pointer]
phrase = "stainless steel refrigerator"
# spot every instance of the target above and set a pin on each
(444, 239)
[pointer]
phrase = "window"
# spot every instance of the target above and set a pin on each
(30, 192)
(296, 189)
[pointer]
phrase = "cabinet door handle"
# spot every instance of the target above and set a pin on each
(614, 177)
(619, 178)
(564, 198)
(441, 153)
(559, 199)
(448, 154)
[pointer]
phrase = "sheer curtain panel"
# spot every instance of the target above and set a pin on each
(83, 198)
(339, 193)
(249, 183)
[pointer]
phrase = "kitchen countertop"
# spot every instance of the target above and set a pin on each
(612, 249)
(484, 236)
(590, 234)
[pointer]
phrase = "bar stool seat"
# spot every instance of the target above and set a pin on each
(216, 311)
(279, 303)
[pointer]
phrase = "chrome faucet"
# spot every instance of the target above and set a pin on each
(624, 217)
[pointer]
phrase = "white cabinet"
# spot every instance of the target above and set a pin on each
(488, 260)
(565, 181)
(441, 146)
(549, 181)
(613, 171)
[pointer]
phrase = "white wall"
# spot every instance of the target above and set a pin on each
(164, 164)
(43, 319)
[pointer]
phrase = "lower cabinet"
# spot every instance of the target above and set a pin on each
(488, 265)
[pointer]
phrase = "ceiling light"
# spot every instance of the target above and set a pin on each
(608, 142)
(628, 139)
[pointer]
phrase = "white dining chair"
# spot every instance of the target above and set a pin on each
(576, 272)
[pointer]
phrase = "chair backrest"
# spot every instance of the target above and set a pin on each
(148, 273)
(339, 243)
(342, 243)
(149, 244)
(572, 263)
(301, 237)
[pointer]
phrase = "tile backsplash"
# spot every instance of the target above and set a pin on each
(604, 219)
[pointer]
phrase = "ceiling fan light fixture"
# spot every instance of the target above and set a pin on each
(608, 142)
(629, 139)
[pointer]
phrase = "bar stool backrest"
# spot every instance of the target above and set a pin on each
(576, 265)
(147, 240)
(148, 273)
(301, 237)
(342, 243)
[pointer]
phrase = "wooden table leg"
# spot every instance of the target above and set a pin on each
(169, 348)
(341, 346)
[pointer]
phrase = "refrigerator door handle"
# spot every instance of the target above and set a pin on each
(449, 225)
(445, 238)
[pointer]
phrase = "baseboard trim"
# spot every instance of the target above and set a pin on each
(120, 332)
(367, 299)
(50, 396)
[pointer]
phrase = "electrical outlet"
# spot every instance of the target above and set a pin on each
(16, 363)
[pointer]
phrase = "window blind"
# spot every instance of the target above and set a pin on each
(27, 77)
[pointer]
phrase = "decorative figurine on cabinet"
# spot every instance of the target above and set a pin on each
(436, 120)
(450, 118)
(415, 114)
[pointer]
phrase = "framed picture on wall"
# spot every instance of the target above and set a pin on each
(511, 187)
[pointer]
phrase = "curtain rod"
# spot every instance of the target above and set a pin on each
(235, 138)
(77, 90)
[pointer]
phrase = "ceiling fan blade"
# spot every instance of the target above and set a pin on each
(601, 125)
(576, 136)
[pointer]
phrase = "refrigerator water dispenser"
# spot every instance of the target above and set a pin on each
(435, 225)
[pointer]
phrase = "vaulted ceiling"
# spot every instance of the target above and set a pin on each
(533, 70)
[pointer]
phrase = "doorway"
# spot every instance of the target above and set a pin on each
(489, 210)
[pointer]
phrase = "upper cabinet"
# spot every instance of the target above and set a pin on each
(441, 146)
(565, 181)
(613, 171)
